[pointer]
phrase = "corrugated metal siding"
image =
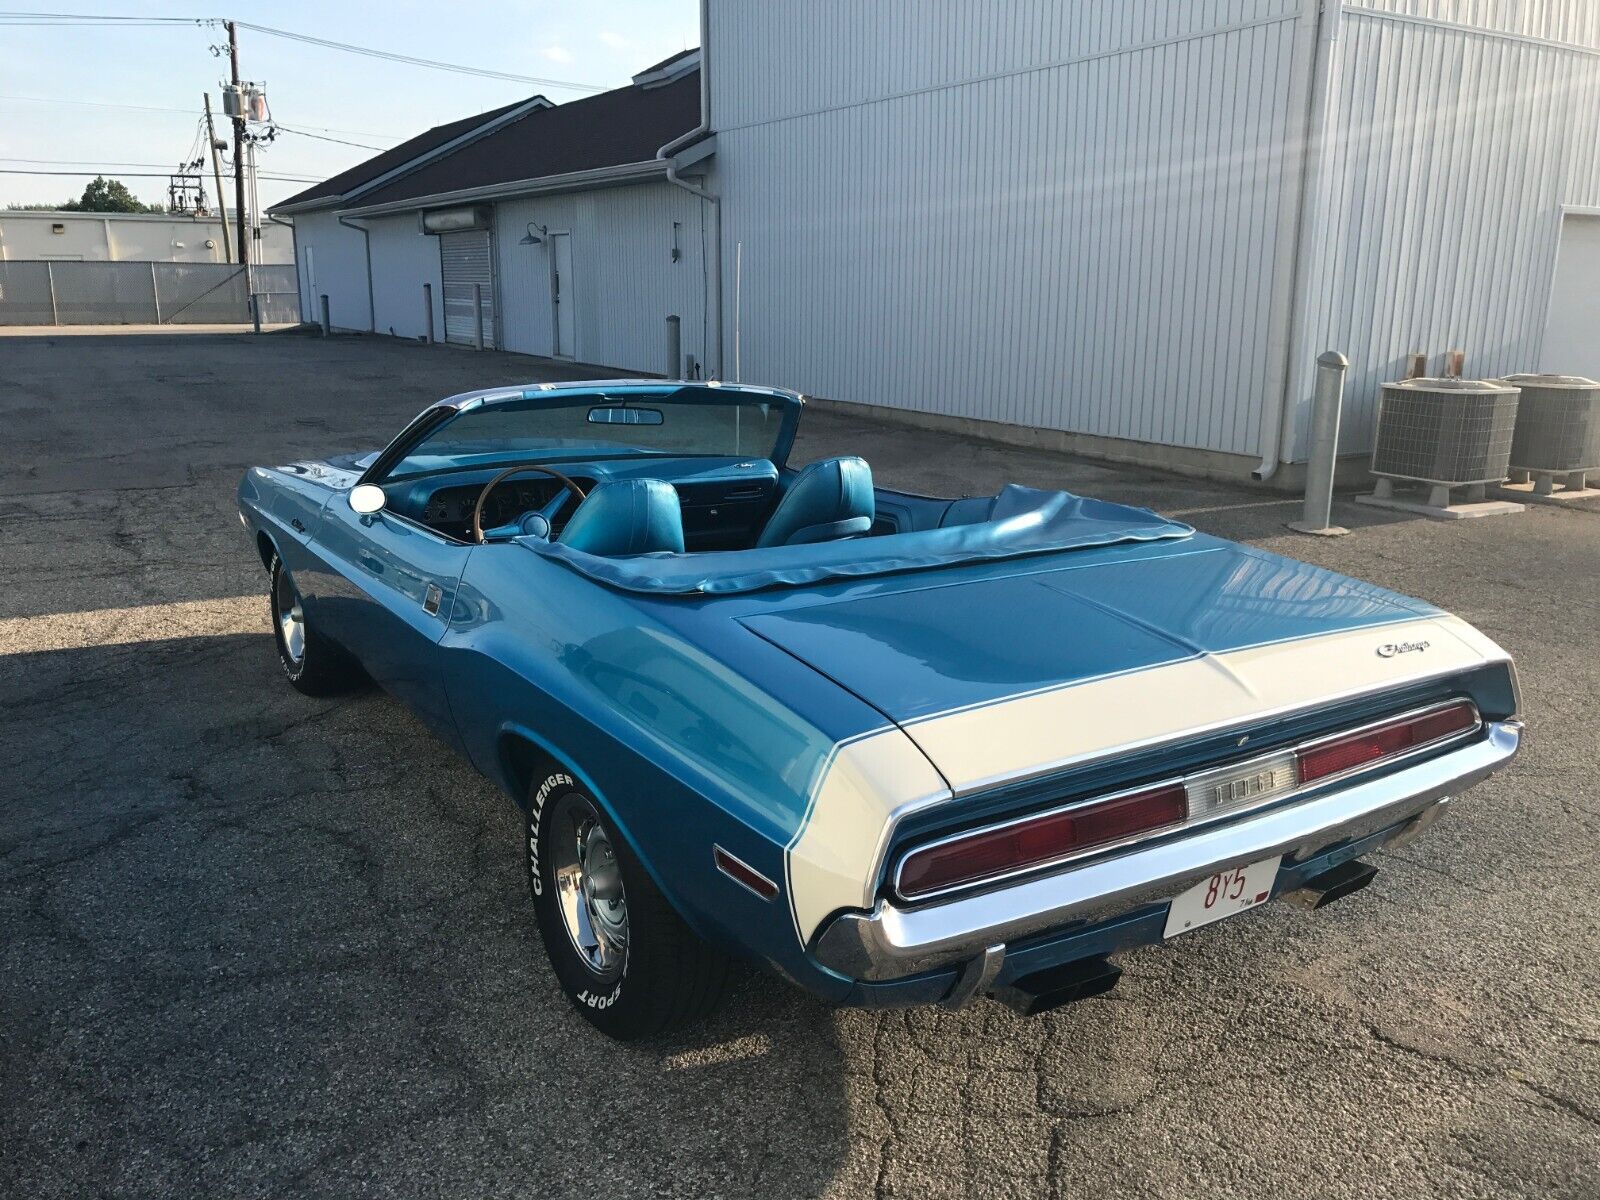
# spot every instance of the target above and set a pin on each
(624, 283)
(403, 259)
(341, 263)
(1080, 238)
(1451, 153)
(1576, 22)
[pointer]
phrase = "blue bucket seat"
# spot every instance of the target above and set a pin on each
(829, 499)
(627, 516)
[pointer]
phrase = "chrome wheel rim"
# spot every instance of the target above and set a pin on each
(291, 620)
(588, 882)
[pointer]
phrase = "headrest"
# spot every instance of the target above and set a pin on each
(627, 516)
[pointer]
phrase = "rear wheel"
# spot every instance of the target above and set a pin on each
(621, 953)
(311, 663)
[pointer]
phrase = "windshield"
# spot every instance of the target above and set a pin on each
(676, 422)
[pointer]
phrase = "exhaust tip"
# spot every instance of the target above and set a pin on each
(1055, 986)
(1333, 884)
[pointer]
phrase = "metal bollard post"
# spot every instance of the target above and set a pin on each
(427, 311)
(674, 348)
(1331, 367)
(327, 325)
(255, 311)
(477, 314)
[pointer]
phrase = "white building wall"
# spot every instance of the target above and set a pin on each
(1452, 150)
(126, 237)
(625, 282)
(331, 260)
(403, 260)
(1063, 215)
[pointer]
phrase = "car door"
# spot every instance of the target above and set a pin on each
(389, 600)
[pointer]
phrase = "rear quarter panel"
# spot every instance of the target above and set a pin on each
(690, 730)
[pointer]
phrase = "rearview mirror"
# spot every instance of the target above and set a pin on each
(625, 416)
(367, 498)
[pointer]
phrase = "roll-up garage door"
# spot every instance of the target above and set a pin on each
(466, 259)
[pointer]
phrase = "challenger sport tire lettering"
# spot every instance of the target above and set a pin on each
(619, 950)
(535, 813)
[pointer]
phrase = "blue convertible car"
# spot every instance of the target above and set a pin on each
(901, 750)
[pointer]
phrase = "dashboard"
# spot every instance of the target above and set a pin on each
(449, 509)
(724, 500)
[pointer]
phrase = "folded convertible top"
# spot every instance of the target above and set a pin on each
(1023, 521)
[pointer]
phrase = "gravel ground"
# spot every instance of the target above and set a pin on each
(255, 944)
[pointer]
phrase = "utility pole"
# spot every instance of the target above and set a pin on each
(238, 143)
(216, 173)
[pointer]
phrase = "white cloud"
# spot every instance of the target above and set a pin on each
(613, 39)
(557, 54)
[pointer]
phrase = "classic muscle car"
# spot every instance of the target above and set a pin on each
(901, 750)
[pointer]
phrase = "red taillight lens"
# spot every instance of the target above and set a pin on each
(1336, 755)
(1033, 843)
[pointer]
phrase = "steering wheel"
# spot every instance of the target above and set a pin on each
(477, 509)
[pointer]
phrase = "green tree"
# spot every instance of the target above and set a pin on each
(108, 195)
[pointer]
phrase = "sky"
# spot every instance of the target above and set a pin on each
(328, 92)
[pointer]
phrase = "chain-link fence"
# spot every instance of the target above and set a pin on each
(145, 293)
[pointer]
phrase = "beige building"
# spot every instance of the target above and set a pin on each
(128, 237)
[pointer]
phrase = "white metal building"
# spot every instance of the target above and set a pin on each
(1126, 229)
(35, 235)
(559, 221)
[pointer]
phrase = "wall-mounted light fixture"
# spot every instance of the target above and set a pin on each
(677, 229)
(532, 239)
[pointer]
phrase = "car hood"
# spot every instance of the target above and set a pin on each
(1095, 655)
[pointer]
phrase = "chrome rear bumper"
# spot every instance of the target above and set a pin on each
(892, 942)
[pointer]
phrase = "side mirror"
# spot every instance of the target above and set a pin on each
(367, 498)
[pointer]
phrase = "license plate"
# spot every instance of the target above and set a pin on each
(1225, 893)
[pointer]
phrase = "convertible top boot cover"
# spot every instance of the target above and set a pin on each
(1025, 522)
(627, 516)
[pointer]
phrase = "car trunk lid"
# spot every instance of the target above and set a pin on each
(1025, 672)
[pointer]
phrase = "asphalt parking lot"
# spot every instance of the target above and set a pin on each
(260, 945)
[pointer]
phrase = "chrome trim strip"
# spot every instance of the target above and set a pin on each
(1189, 782)
(891, 942)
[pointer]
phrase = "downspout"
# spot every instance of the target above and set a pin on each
(713, 269)
(366, 240)
(1277, 427)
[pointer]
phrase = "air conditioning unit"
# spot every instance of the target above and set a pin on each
(1558, 424)
(1447, 432)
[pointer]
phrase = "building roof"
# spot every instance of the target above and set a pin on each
(395, 157)
(616, 128)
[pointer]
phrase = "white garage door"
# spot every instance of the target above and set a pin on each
(467, 259)
(1572, 339)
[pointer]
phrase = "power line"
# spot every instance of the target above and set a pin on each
(153, 175)
(282, 128)
(93, 162)
(188, 112)
(306, 38)
(431, 63)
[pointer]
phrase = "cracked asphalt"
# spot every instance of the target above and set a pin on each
(260, 945)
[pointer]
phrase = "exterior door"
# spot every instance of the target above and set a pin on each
(466, 271)
(561, 295)
(310, 306)
(389, 600)
(1572, 337)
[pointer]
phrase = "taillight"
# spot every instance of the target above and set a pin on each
(1345, 752)
(1037, 841)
